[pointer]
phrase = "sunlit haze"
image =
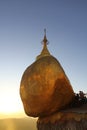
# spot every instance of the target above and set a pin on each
(22, 24)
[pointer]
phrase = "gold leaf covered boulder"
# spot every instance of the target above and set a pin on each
(44, 86)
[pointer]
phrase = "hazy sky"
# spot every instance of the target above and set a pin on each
(22, 24)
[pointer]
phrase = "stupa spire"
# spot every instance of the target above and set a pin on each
(45, 51)
(45, 41)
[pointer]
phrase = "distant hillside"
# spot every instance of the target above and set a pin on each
(18, 124)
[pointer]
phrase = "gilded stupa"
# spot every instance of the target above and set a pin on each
(44, 87)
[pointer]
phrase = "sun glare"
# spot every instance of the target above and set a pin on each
(10, 102)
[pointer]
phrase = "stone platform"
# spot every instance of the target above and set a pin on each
(70, 119)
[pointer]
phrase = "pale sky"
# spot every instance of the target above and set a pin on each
(22, 24)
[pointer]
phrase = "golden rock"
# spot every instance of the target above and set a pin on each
(44, 87)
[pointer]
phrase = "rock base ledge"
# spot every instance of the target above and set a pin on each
(63, 121)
